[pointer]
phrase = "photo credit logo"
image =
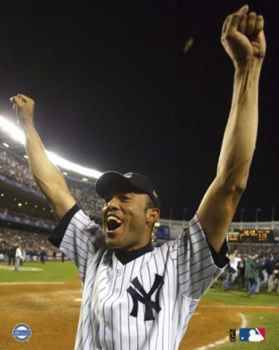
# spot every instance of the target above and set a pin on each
(22, 332)
(252, 334)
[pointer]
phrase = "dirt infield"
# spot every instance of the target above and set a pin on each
(52, 312)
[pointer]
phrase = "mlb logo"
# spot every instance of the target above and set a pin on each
(252, 334)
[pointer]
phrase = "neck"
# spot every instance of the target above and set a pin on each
(125, 255)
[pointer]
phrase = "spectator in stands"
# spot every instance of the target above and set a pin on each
(15, 168)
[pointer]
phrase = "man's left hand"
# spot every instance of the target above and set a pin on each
(243, 37)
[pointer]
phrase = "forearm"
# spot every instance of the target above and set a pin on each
(47, 176)
(241, 131)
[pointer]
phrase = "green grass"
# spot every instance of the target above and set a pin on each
(270, 322)
(241, 298)
(264, 318)
(52, 272)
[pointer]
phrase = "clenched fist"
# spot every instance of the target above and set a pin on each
(24, 107)
(243, 37)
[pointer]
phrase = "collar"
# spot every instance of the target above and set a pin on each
(126, 256)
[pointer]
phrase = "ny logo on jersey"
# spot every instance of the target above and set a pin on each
(139, 294)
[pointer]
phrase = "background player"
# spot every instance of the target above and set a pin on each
(18, 257)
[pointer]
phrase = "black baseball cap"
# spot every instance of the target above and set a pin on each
(112, 182)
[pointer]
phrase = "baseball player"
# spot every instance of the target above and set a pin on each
(18, 257)
(136, 296)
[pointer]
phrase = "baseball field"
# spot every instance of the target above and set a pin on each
(47, 298)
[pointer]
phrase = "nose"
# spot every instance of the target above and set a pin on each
(112, 204)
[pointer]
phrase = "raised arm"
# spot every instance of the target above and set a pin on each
(48, 177)
(244, 41)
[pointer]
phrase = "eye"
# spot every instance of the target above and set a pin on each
(124, 197)
(107, 199)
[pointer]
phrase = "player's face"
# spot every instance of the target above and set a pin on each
(127, 222)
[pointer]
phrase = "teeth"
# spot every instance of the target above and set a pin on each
(114, 218)
(113, 222)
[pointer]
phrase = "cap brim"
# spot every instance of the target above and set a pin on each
(112, 182)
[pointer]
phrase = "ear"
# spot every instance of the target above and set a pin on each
(152, 215)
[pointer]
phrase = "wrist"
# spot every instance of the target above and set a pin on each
(26, 124)
(251, 66)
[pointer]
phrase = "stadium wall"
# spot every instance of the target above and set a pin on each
(176, 226)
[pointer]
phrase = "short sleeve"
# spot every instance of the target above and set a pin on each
(198, 265)
(75, 236)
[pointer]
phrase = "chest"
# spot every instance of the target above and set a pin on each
(139, 289)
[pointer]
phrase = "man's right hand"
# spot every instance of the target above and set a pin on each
(48, 177)
(24, 107)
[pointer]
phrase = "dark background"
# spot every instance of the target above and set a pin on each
(114, 91)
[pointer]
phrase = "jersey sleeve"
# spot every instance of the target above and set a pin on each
(198, 265)
(76, 235)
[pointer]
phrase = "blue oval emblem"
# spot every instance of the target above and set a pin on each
(22, 332)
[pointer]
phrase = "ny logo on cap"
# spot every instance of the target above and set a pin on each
(140, 295)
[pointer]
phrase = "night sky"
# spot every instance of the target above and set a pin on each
(114, 91)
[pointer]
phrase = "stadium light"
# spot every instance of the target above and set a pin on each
(13, 131)
(68, 165)
(17, 135)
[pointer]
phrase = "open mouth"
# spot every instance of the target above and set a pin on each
(113, 223)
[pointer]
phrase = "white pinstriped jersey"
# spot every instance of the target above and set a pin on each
(146, 303)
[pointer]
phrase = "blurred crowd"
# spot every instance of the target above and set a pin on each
(254, 270)
(33, 246)
(16, 169)
(86, 196)
(20, 245)
(6, 214)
